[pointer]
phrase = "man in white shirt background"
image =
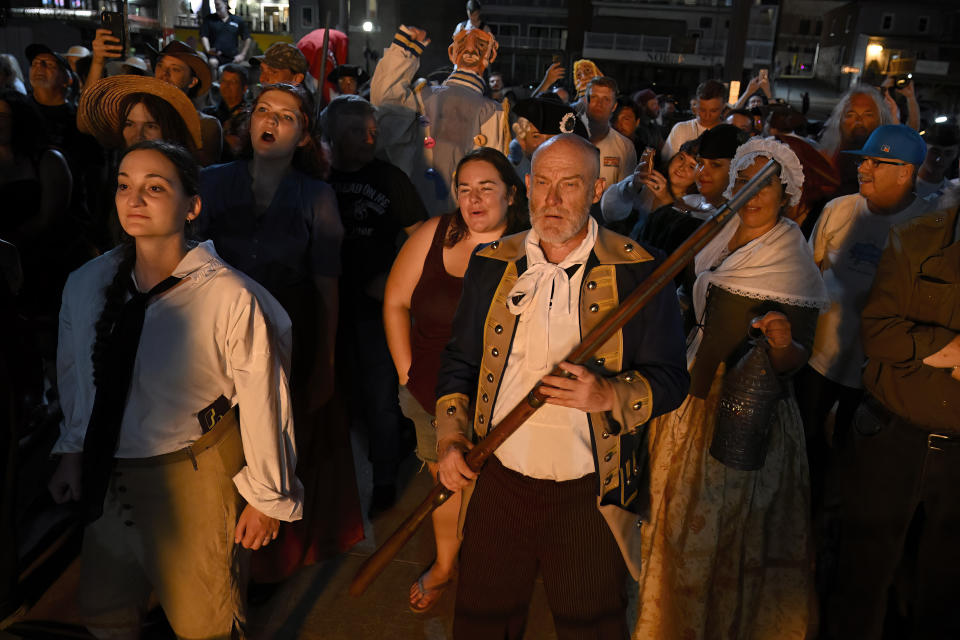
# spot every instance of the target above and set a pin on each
(618, 156)
(707, 107)
(847, 243)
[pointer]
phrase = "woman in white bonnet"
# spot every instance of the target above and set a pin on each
(727, 553)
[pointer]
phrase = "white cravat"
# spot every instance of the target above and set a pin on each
(543, 291)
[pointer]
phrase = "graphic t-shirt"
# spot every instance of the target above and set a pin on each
(376, 203)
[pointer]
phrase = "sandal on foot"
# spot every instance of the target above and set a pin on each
(425, 598)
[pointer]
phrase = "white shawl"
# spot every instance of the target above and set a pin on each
(776, 266)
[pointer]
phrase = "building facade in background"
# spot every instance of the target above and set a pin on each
(864, 41)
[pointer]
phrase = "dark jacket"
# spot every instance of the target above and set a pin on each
(914, 311)
(645, 362)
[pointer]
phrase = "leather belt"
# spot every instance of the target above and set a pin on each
(224, 427)
(936, 441)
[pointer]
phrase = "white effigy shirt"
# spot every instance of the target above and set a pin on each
(216, 333)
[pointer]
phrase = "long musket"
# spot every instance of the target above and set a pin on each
(581, 354)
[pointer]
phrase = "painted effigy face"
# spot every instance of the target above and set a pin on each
(583, 72)
(472, 50)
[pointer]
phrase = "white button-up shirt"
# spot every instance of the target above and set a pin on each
(216, 333)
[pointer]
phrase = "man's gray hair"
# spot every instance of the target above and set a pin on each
(830, 136)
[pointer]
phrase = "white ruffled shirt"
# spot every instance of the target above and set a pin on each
(554, 443)
(216, 333)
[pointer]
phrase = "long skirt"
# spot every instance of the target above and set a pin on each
(728, 553)
(332, 521)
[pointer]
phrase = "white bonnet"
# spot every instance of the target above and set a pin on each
(791, 173)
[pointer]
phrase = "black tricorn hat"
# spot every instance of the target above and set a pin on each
(348, 71)
(550, 117)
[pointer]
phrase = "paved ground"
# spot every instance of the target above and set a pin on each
(314, 603)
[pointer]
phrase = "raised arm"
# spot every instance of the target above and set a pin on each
(105, 46)
(392, 82)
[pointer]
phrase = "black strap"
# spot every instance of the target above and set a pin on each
(103, 430)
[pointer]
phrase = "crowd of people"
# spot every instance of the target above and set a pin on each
(213, 268)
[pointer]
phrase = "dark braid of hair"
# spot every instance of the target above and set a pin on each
(115, 295)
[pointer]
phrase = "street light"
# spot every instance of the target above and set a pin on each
(874, 49)
(940, 119)
(367, 26)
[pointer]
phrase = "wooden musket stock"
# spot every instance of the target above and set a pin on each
(478, 455)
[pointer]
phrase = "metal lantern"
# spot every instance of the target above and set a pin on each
(749, 398)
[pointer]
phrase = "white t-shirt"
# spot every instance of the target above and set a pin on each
(216, 333)
(618, 158)
(681, 133)
(847, 243)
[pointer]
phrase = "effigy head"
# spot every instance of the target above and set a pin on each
(583, 72)
(472, 50)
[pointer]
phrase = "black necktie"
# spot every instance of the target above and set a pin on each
(113, 385)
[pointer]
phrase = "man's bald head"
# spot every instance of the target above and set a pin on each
(562, 185)
(571, 143)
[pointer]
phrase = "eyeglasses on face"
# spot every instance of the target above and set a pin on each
(873, 162)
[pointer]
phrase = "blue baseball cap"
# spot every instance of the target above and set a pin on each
(894, 142)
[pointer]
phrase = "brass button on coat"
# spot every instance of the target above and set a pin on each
(489, 377)
(594, 308)
(495, 352)
(498, 329)
(591, 285)
(451, 411)
(637, 405)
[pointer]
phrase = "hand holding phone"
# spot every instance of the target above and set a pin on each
(645, 164)
(643, 170)
(105, 45)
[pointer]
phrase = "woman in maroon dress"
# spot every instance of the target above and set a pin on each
(421, 297)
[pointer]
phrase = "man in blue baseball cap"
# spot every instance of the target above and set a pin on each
(847, 242)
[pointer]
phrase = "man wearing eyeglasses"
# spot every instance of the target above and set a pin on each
(847, 242)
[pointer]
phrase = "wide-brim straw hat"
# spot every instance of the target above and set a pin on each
(98, 112)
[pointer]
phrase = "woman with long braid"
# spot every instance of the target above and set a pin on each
(161, 345)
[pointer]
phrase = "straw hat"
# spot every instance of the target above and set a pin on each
(99, 110)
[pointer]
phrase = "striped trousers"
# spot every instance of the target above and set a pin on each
(516, 527)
